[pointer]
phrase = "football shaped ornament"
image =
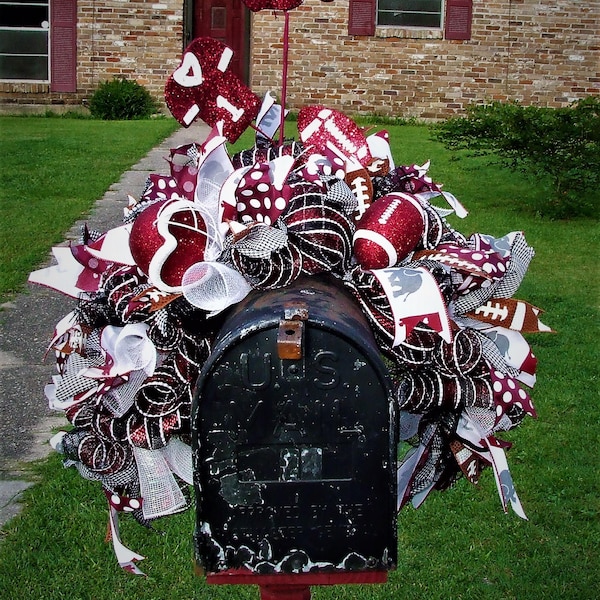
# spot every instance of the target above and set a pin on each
(327, 130)
(166, 239)
(389, 231)
(204, 87)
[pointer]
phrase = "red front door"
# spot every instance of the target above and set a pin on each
(227, 21)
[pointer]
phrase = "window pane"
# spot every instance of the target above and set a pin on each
(24, 67)
(23, 42)
(411, 5)
(23, 16)
(410, 13)
(408, 19)
(218, 17)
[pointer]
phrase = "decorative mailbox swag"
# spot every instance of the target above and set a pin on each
(242, 309)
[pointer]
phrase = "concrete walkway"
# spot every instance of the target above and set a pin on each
(26, 326)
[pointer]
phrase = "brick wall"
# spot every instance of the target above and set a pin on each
(139, 39)
(544, 52)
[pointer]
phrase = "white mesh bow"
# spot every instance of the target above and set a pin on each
(213, 286)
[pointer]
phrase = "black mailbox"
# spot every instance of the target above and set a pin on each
(294, 438)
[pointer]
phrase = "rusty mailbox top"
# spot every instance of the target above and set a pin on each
(293, 438)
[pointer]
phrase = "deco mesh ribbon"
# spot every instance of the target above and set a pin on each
(197, 240)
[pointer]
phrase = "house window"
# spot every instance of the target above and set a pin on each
(24, 37)
(410, 13)
(452, 18)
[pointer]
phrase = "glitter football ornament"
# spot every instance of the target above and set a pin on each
(326, 130)
(388, 231)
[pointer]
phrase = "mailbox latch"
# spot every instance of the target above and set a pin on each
(291, 332)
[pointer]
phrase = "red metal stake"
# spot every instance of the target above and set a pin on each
(293, 586)
(285, 592)
(284, 74)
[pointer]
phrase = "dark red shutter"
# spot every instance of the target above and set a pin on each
(361, 17)
(63, 45)
(459, 14)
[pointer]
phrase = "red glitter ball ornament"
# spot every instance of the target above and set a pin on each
(389, 231)
(166, 239)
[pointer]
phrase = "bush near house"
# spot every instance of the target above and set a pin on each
(122, 99)
(559, 146)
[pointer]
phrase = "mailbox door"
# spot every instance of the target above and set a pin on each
(295, 456)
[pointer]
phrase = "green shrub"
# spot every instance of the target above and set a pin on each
(556, 146)
(121, 99)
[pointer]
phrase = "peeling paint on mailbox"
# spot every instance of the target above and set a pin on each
(294, 458)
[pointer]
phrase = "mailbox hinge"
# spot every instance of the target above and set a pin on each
(291, 332)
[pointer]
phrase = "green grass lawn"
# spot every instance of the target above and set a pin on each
(459, 545)
(52, 171)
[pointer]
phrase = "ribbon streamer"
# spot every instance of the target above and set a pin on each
(414, 298)
(489, 449)
(125, 557)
